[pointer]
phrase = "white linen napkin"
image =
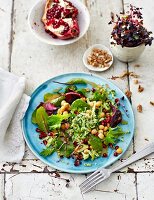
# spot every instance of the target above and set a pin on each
(13, 104)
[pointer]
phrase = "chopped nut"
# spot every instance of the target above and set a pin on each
(139, 108)
(99, 58)
(140, 88)
(135, 81)
(152, 103)
(137, 65)
(125, 74)
(128, 93)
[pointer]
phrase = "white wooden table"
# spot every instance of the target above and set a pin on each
(22, 54)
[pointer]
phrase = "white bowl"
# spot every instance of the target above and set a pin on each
(127, 54)
(37, 26)
(87, 54)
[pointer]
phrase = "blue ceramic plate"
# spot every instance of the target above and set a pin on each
(65, 164)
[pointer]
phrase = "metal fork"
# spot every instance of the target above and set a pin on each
(101, 174)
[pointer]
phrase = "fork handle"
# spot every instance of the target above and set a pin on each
(141, 154)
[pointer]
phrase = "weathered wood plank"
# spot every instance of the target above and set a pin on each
(145, 185)
(46, 186)
(6, 32)
(144, 121)
(1, 186)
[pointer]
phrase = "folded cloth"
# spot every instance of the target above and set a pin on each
(13, 104)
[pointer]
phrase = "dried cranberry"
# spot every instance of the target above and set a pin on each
(56, 1)
(93, 90)
(77, 162)
(104, 155)
(104, 146)
(110, 145)
(80, 156)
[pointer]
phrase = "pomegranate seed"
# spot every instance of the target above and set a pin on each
(115, 153)
(38, 130)
(56, 1)
(108, 119)
(45, 142)
(93, 89)
(104, 146)
(116, 147)
(79, 156)
(42, 135)
(116, 100)
(51, 134)
(110, 145)
(75, 143)
(85, 141)
(77, 162)
(104, 155)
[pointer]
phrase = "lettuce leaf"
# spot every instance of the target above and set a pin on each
(113, 134)
(96, 143)
(55, 121)
(79, 105)
(42, 119)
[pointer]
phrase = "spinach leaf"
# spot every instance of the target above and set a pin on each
(55, 121)
(47, 152)
(42, 119)
(96, 143)
(97, 96)
(82, 81)
(79, 105)
(70, 87)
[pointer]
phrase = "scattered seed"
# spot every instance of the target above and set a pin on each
(128, 93)
(152, 103)
(135, 81)
(139, 108)
(140, 88)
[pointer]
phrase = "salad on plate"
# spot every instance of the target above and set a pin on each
(81, 123)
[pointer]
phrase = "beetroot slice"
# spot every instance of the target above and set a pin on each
(116, 118)
(72, 96)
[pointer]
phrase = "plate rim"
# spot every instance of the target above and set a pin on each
(70, 170)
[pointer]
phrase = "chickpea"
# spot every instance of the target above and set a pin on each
(98, 103)
(94, 131)
(83, 98)
(67, 106)
(65, 113)
(63, 102)
(63, 126)
(101, 135)
(91, 104)
(102, 115)
(105, 133)
(67, 125)
(119, 150)
(89, 111)
(105, 128)
(100, 131)
(101, 127)
(86, 151)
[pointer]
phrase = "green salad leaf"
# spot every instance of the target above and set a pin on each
(79, 105)
(33, 119)
(70, 87)
(50, 96)
(82, 81)
(55, 121)
(96, 143)
(97, 96)
(57, 101)
(47, 152)
(113, 134)
(42, 119)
